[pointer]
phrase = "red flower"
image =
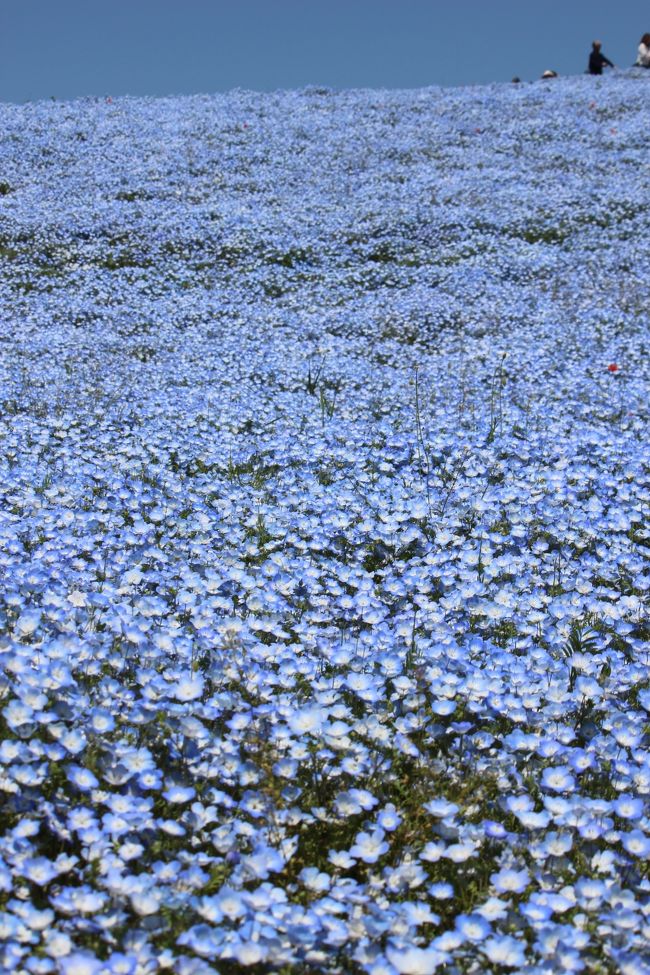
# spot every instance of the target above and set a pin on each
(612, 367)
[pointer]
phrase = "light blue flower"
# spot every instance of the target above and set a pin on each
(370, 846)
(505, 951)
(472, 927)
(510, 880)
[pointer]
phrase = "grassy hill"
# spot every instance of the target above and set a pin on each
(324, 482)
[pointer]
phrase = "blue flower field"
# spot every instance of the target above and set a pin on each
(324, 532)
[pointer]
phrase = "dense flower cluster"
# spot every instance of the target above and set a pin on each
(324, 536)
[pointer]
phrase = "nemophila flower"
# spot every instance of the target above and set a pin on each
(407, 875)
(74, 741)
(307, 721)
(341, 859)
(604, 861)
(493, 909)
(389, 818)
(441, 808)
(250, 953)
(230, 903)
(151, 779)
(188, 688)
(179, 794)
(472, 927)
(534, 820)
(80, 963)
(494, 830)
(636, 843)
(441, 891)
(286, 768)
(644, 699)
(201, 939)
(243, 593)
(460, 852)
(28, 622)
(82, 778)
(509, 880)
(417, 912)
(590, 892)
(263, 861)
(101, 721)
(78, 900)
(536, 911)
(6, 880)
(448, 941)
(121, 964)
(380, 966)
(580, 760)
(433, 851)
(314, 879)
(144, 904)
(518, 804)
(35, 919)
(415, 961)
(17, 714)
(130, 851)
(41, 966)
(628, 807)
(555, 844)
(557, 779)
(369, 847)
(39, 870)
(505, 950)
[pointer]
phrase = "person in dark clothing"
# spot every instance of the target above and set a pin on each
(597, 59)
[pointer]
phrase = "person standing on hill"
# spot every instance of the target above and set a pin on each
(597, 59)
(643, 54)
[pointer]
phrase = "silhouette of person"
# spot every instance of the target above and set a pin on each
(597, 59)
(643, 54)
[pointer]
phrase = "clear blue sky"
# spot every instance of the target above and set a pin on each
(159, 47)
